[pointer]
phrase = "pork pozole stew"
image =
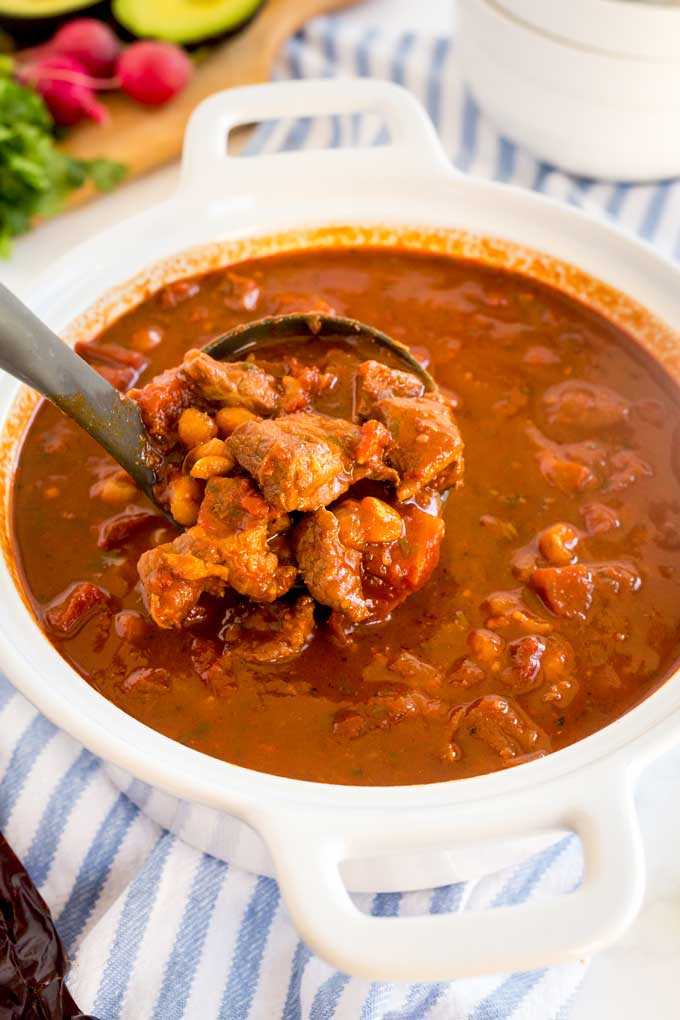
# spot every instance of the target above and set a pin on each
(345, 602)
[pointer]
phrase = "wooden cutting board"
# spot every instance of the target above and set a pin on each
(146, 137)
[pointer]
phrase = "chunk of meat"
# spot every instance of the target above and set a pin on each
(239, 292)
(299, 383)
(508, 609)
(161, 403)
(273, 632)
(95, 351)
(116, 530)
(174, 577)
(427, 446)
(625, 468)
(406, 667)
(566, 591)
(502, 725)
(304, 461)
(599, 518)
(146, 681)
(570, 467)
(466, 673)
(558, 665)
(616, 576)
(576, 408)
(590, 464)
(232, 383)
(74, 607)
(376, 382)
(180, 290)
(526, 657)
(227, 546)
(364, 579)
(384, 710)
(486, 646)
(330, 568)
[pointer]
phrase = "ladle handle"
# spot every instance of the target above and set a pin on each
(32, 353)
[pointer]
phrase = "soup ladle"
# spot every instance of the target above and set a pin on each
(31, 352)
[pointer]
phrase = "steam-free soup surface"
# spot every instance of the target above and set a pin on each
(554, 608)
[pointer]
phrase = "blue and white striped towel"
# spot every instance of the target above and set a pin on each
(159, 931)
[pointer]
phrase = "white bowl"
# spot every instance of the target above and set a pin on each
(597, 112)
(644, 31)
(404, 192)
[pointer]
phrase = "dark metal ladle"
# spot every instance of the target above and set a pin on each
(31, 352)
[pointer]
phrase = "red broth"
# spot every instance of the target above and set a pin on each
(555, 606)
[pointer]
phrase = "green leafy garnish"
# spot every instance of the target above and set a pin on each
(35, 177)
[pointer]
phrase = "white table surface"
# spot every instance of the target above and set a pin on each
(637, 978)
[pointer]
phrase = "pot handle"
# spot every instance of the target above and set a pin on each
(307, 853)
(413, 144)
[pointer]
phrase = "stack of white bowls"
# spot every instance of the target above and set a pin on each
(592, 86)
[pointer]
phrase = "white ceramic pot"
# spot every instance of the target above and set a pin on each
(592, 86)
(320, 837)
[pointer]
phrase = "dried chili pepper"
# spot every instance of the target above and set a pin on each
(33, 961)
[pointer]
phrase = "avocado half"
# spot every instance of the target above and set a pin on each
(182, 21)
(32, 21)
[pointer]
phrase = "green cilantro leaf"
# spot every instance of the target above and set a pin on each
(35, 177)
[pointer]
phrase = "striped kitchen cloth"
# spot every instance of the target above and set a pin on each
(159, 931)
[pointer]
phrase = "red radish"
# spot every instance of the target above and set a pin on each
(66, 88)
(153, 72)
(91, 42)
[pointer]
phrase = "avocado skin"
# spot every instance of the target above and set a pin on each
(28, 31)
(128, 29)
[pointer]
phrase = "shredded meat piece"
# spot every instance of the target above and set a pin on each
(590, 464)
(599, 518)
(526, 657)
(558, 665)
(508, 609)
(161, 403)
(615, 577)
(427, 446)
(407, 667)
(466, 673)
(93, 351)
(74, 607)
(376, 382)
(575, 408)
(383, 711)
(625, 468)
(232, 383)
(120, 527)
(273, 632)
(147, 680)
(305, 461)
(503, 726)
(486, 646)
(227, 546)
(239, 292)
(330, 569)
